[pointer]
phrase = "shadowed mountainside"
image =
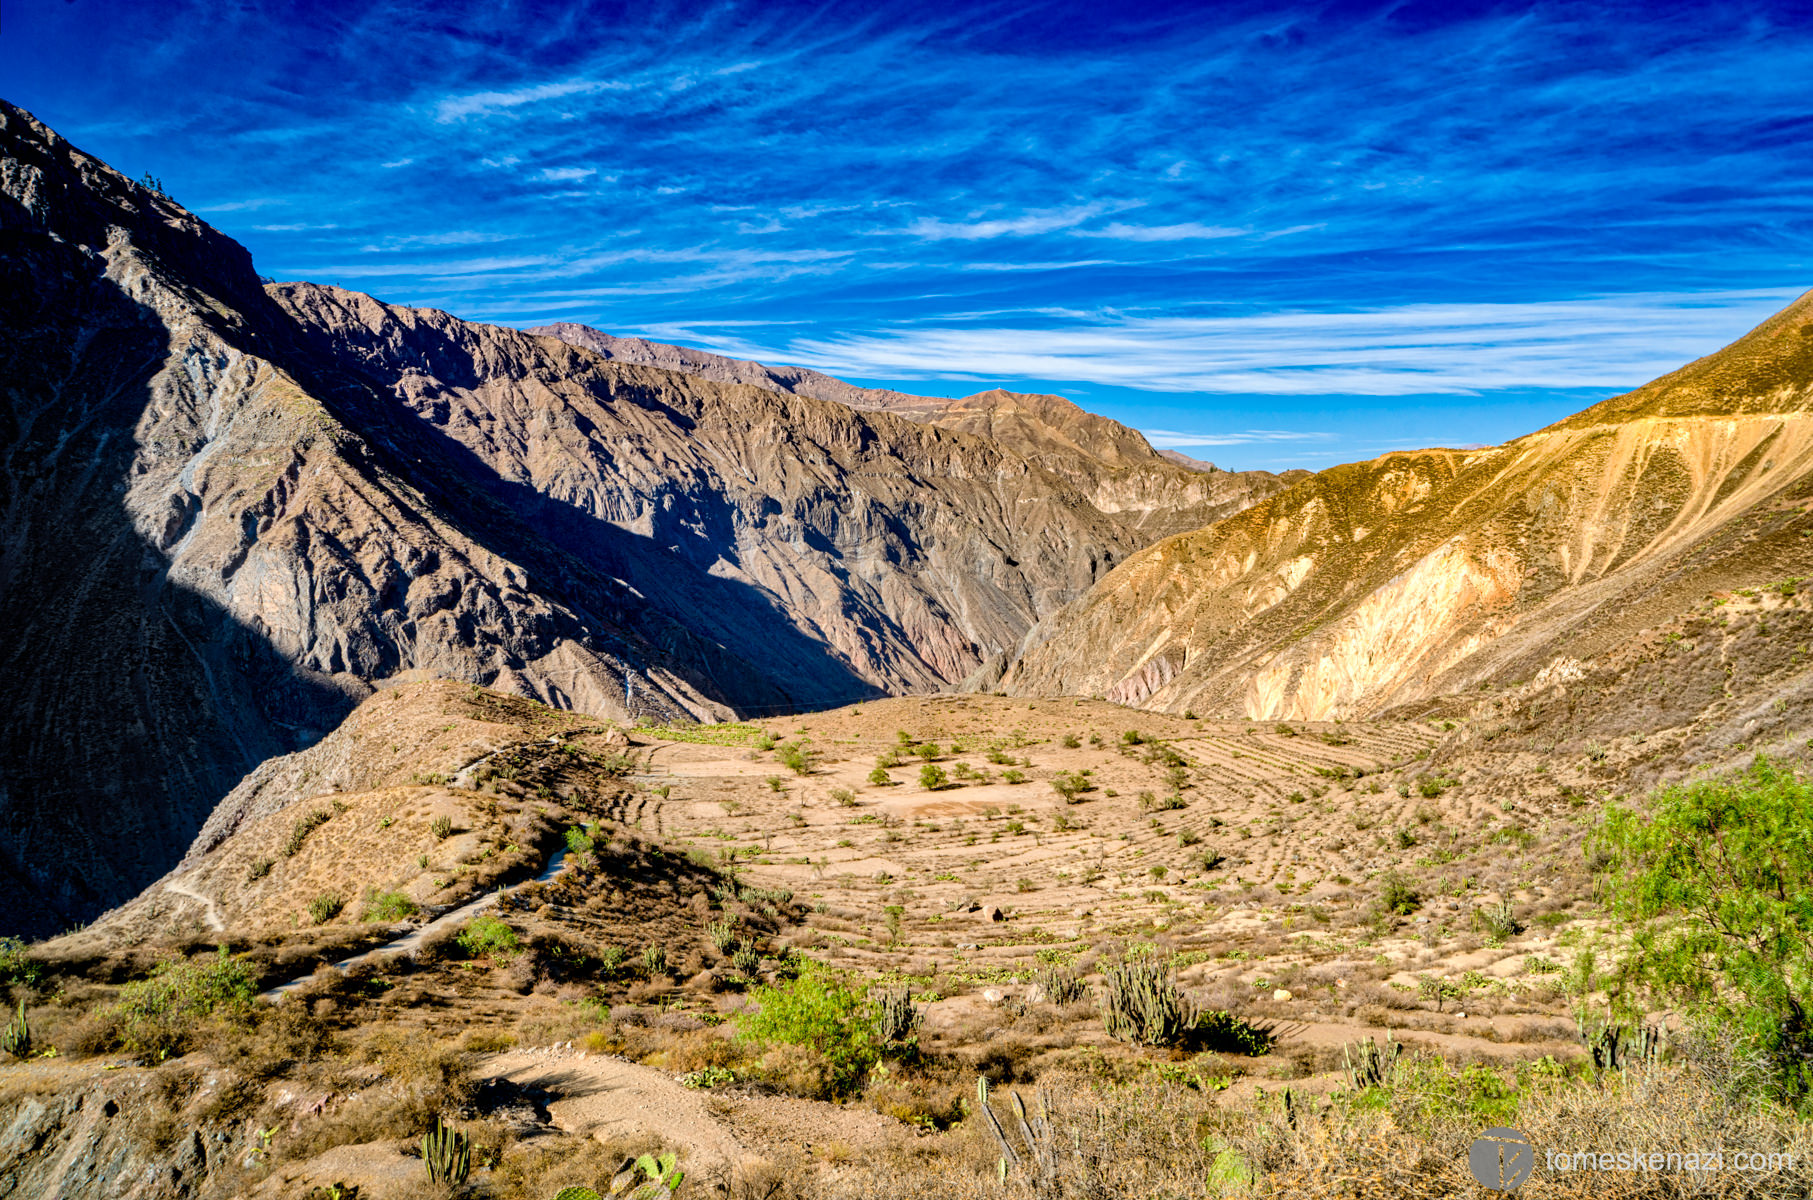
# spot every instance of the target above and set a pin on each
(1388, 582)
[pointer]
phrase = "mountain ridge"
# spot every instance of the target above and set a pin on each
(1375, 585)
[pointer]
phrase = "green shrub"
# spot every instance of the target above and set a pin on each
(1013, 776)
(486, 935)
(932, 777)
(325, 907)
(441, 828)
(1071, 742)
(159, 1014)
(390, 906)
(1715, 884)
(258, 869)
(305, 825)
(816, 1010)
(1070, 784)
(1398, 895)
(1225, 1033)
(16, 967)
(879, 777)
(797, 757)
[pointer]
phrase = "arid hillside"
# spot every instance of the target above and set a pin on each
(1382, 584)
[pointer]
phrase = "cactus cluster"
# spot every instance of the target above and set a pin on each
(15, 1038)
(896, 1018)
(1141, 1003)
(723, 934)
(1615, 1047)
(654, 959)
(447, 1153)
(647, 1177)
(1059, 985)
(746, 959)
(1370, 1064)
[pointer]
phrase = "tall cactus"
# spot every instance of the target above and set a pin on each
(1369, 1064)
(1141, 1003)
(447, 1153)
(1040, 1160)
(15, 1039)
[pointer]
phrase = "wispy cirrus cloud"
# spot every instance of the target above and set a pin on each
(476, 104)
(1174, 438)
(1366, 200)
(1416, 349)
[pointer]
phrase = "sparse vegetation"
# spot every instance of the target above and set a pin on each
(305, 825)
(161, 1014)
(487, 936)
(325, 907)
(390, 906)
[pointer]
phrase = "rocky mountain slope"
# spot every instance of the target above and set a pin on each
(1385, 583)
(228, 511)
(1047, 429)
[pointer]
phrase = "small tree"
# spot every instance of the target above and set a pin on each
(797, 757)
(932, 777)
(1716, 882)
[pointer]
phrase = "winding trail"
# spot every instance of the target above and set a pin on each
(207, 902)
(411, 941)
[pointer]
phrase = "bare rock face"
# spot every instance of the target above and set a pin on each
(232, 510)
(1385, 583)
(1114, 467)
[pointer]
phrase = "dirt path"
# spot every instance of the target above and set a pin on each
(606, 1097)
(410, 942)
(210, 912)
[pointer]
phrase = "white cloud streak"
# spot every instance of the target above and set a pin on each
(1409, 350)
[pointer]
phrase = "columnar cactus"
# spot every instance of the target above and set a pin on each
(1141, 1003)
(447, 1153)
(15, 1038)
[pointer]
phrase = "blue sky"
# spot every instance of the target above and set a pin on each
(1266, 235)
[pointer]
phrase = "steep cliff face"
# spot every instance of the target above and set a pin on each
(1383, 583)
(203, 563)
(1113, 466)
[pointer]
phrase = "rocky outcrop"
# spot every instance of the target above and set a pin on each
(1384, 583)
